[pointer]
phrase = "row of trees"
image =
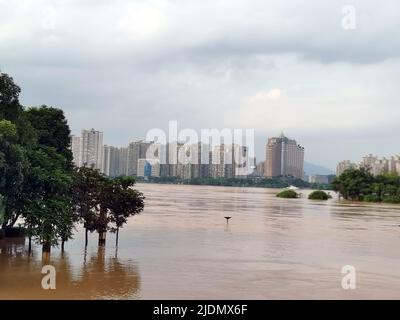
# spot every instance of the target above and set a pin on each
(39, 184)
(238, 182)
(361, 185)
(104, 204)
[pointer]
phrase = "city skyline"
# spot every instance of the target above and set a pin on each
(172, 159)
(116, 161)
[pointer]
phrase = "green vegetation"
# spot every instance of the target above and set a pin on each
(361, 185)
(319, 195)
(288, 194)
(39, 184)
(1, 215)
(238, 182)
(1, 209)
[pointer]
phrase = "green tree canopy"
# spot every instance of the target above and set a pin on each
(360, 184)
(52, 129)
(123, 201)
(10, 108)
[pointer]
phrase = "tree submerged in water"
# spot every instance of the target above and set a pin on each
(124, 201)
(39, 184)
(288, 194)
(361, 185)
(319, 195)
(104, 204)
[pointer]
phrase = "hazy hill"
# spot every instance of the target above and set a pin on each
(312, 169)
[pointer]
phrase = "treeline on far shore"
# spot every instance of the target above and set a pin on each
(361, 185)
(283, 182)
(43, 196)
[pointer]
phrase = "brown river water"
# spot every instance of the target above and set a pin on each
(181, 247)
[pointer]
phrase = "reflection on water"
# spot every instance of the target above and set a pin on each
(271, 248)
(96, 277)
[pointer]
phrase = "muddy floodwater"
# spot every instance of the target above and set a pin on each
(182, 248)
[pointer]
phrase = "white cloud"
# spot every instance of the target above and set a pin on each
(262, 97)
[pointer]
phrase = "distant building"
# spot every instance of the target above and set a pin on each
(136, 150)
(106, 160)
(155, 168)
(318, 179)
(344, 165)
(87, 149)
(284, 157)
(244, 165)
(76, 148)
(112, 162)
(260, 168)
(394, 164)
(379, 166)
(122, 158)
(143, 168)
(148, 168)
(373, 163)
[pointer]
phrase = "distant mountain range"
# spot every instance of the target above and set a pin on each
(313, 169)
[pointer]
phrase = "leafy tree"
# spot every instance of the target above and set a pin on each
(47, 203)
(289, 194)
(359, 184)
(12, 164)
(319, 195)
(39, 183)
(10, 108)
(51, 129)
(354, 184)
(124, 201)
(87, 193)
(46, 197)
(1, 208)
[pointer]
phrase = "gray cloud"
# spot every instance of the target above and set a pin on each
(125, 67)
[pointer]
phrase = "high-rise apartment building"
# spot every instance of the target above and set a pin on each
(111, 161)
(87, 150)
(284, 157)
(244, 165)
(318, 178)
(148, 168)
(373, 163)
(378, 166)
(231, 161)
(136, 150)
(344, 165)
(92, 148)
(260, 168)
(122, 162)
(105, 165)
(76, 148)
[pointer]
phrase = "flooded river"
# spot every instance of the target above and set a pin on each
(181, 247)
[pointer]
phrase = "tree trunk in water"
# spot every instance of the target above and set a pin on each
(62, 245)
(116, 238)
(13, 221)
(103, 227)
(102, 239)
(86, 237)
(46, 247)
(30, 244)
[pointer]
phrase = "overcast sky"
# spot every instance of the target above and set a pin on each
(125, 67)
